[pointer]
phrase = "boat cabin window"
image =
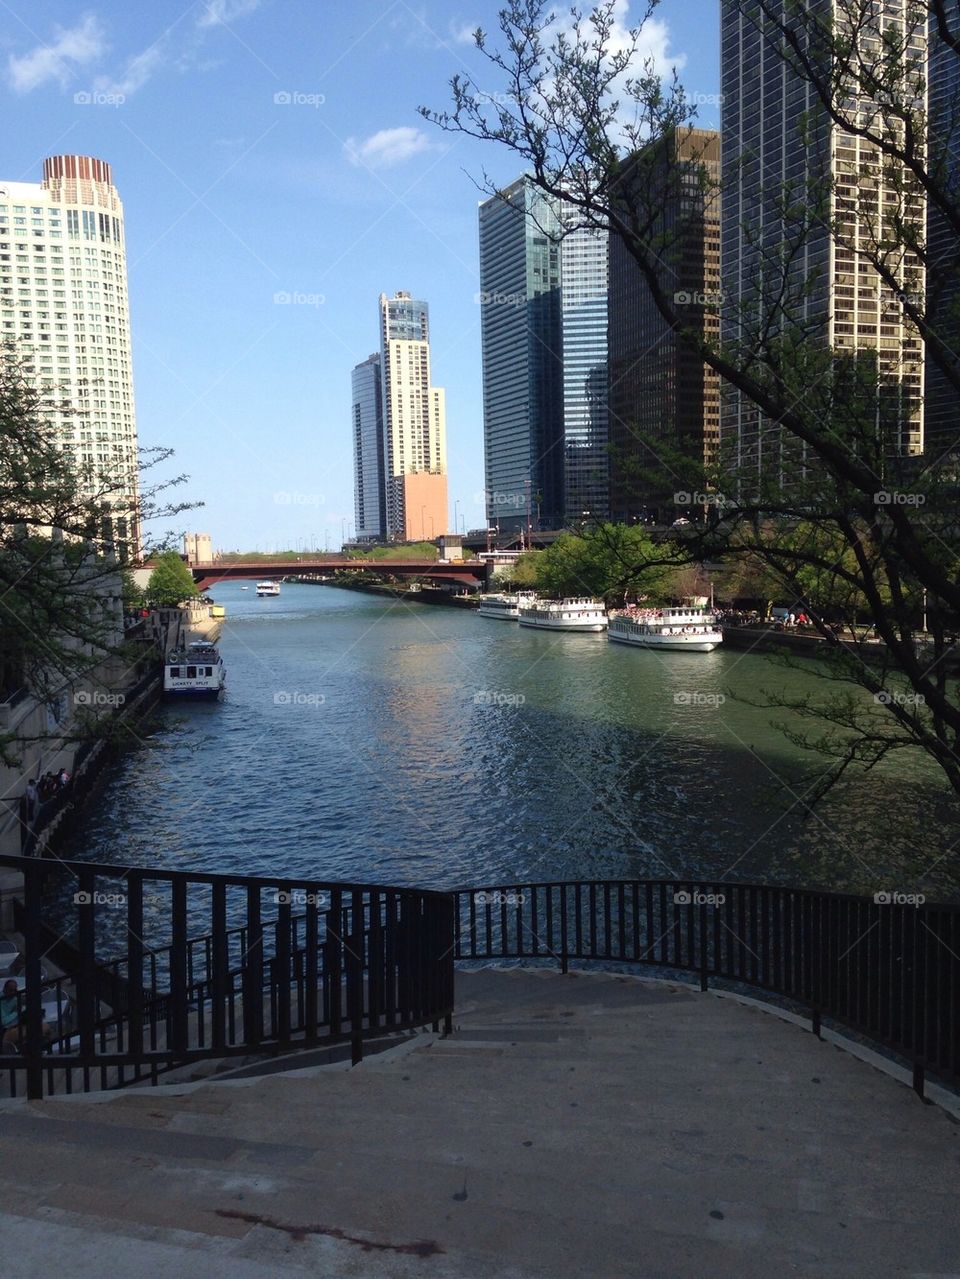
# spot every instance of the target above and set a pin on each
(191, 672)
(209, 670)
(175, 672)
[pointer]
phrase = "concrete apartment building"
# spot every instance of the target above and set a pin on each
(64, 310)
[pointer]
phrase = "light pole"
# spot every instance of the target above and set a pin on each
(423, 522)
(343, 530)
(456, 515)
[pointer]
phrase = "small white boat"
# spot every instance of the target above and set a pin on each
(194, 671)
(504, 607)
(572, 614)
(690, 629)
(268, 588)
(244, 588)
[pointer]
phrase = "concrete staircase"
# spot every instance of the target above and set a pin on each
(588, 1125)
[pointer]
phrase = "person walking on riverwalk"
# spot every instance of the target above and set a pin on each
(9, 1013)
(33, 799)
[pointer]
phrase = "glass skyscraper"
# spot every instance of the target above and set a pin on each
(543, 318)
(370, 510)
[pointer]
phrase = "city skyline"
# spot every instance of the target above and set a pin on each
(258, 230)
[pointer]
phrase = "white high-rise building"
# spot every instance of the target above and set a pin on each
(414, 422)
(782, 156)
(63, 309)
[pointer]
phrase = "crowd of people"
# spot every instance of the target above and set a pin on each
(41, 798)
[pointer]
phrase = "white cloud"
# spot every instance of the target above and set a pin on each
(217, 13)
(462, 33)
(389, 146)
(138, 71)
(72, 47)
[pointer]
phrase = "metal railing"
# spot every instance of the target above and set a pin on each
(354, 962)
(885, 968)
(168, 968)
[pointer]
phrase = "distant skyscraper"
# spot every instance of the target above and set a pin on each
(664, 401)
(583, 309)
(63, 305)
(521, 324)
(370, 497)
(414, 422)
(780, 149)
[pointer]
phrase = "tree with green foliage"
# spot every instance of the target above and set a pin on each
(60, 569)
(171, 582)
(604, 561)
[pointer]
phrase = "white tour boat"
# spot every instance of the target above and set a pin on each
(505, 607)
(691, 629)
(268, 588)
(194, 671)
(573, 614)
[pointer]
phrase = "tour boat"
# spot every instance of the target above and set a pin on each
(690, 629)
(505, 607)
(244, 588)
(573, 614)
(268, 588)
(194, 671)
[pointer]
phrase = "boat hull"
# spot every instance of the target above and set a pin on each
(497, 615)
(674, 643)
(193, 694)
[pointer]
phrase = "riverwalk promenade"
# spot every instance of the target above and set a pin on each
(588, 1125)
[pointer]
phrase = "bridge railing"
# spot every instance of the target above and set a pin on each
(886, 969)
(169, 968)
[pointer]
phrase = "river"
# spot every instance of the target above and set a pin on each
(367, 739)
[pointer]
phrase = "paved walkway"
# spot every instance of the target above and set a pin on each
(586, 1126)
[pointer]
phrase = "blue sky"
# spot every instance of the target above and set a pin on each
(233, 195)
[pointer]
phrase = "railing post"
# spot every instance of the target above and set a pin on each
(703, 947)
(563, 928)
(919, 1077)
(354, 958)
(815, 1021)
(33, 1048)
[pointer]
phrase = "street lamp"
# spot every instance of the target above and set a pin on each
(456, 515)
(423, 521)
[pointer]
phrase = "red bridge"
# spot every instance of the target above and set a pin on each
(466, 572)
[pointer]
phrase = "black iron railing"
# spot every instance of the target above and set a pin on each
(280, 964)
(886, 968)
(167, 968)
